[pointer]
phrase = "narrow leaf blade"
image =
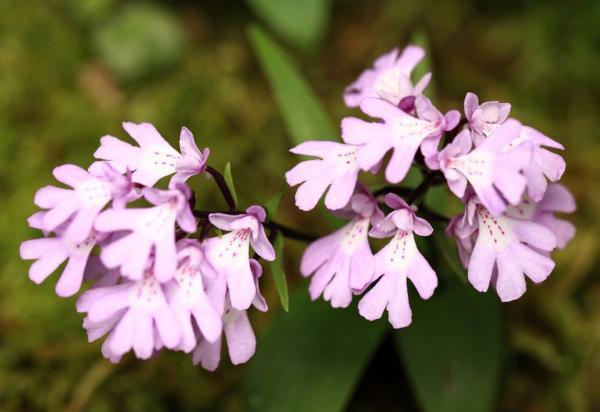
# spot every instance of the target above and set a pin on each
(229, 180)
(303, 114)
(311, 358)
(272, 204)
(301, 22)
(278, 273)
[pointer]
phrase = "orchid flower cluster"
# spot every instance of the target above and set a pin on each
(504, 173)
(153, 284)
(164, 276)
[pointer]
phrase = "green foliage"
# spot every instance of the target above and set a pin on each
(310, 359)
(279, 274)
(453, 350)
(143, 40)
(230, 185)
(304, 116)
(273, 203)
(301, 22)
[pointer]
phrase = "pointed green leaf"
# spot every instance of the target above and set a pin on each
(279, 274)
(301, 22)
(304, 115)
(311, 358)
(273, 203)
(229, 180)
(453, 350)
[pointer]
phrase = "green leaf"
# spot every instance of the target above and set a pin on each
(301, 22)
(279, 274)
(273, 203)
(453, 350)
(303, 114)
(229, 180)
(311, 358)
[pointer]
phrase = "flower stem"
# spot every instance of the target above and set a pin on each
(220, 181)
(420, 191)
(431, 215)
(412, 196)
(203, 214)
(415, 195)
(290, 233)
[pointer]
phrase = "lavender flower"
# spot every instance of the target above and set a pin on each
(337, 169)
(50, 252)
(484, 119)
(240, 338)
(229, 256)
(154, 158)
(556, 199)
(506, 250)
(389, 78)
(79, 206)
(398, 260)
(342, 262)
(399, 131)
(149, 230)
(192, 161)
(136, 314)
(493, 172)
(545, 165)
(188, 299)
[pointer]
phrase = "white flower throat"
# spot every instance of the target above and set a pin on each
(234, 244)
(393, 85)
(159, 158)
(159, 220)
(355, 234)
(94, 193)
(495, 231)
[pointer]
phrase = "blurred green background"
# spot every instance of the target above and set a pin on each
(72, 71)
